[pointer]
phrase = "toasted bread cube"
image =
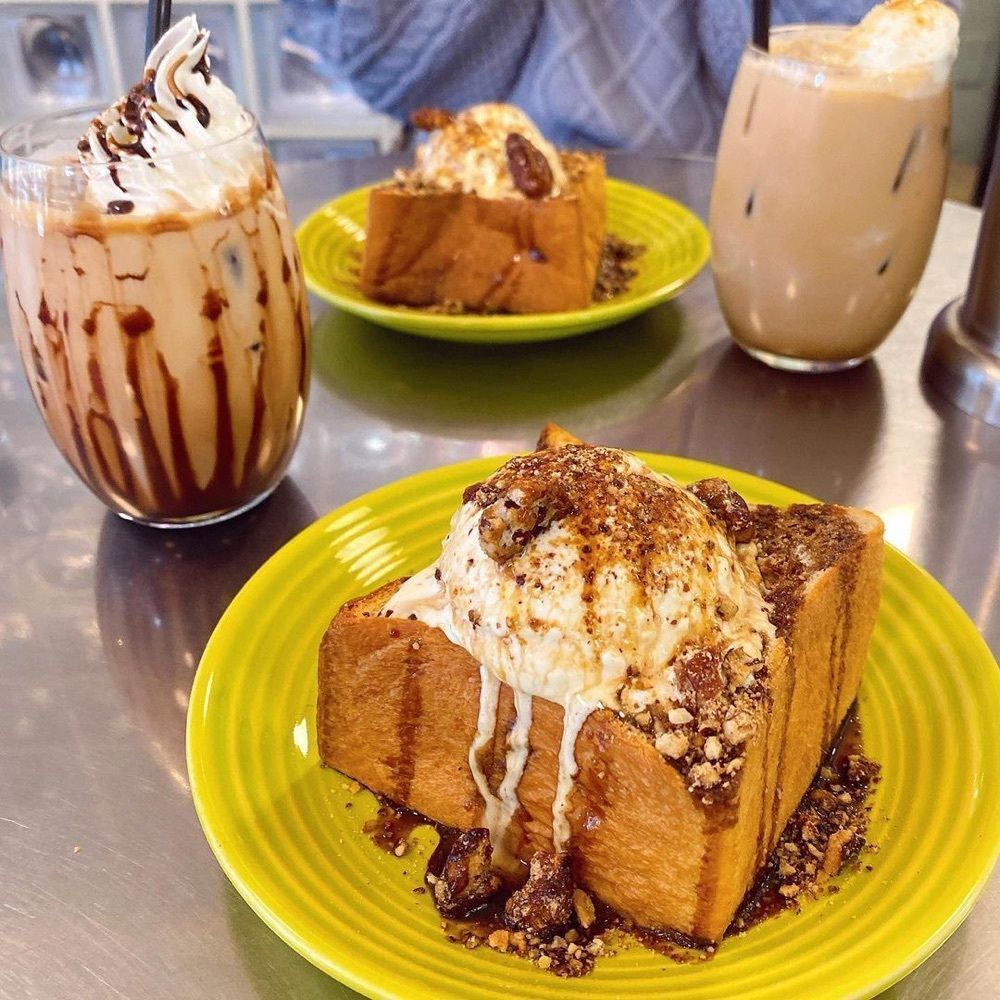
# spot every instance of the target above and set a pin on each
(516, 255)
(398, 707)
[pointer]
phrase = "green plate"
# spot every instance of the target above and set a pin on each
(288, 832)
(676, 244)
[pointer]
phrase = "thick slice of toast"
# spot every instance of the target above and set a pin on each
(519, 255)
(398, 705)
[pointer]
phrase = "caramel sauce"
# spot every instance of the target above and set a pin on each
(392, 826)
(764, 899)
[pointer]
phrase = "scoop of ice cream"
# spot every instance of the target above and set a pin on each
(579, 573)
(168, 139)
(469, 152)
(901, 34)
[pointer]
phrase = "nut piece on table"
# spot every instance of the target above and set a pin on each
(528, 166)
(468, 879)
(516, 517)
(544, 905)
(727, 505)
(429, 119)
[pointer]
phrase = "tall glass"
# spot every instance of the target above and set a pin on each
(168, 351)
(828, 188)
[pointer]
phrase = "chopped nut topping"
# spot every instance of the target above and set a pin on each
(499, 939)
(583, 906)
(833, 859)
(515, 517)
(704, 775)
(739, 728)
(726, 608)
(700, 673)
(727, 505)
(544, 906)
(430, 119)
(738, 666)
(672, 745)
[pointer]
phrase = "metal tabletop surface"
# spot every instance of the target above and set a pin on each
(107, 887)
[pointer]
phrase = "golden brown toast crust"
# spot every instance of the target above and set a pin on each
(494, 255)
(398, 704)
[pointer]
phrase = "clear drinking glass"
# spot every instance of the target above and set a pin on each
(168, 351)
(828, 188)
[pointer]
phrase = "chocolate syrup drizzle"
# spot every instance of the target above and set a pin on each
(92, 441)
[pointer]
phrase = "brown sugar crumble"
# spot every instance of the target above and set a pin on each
(794, 543)
(542, 917)
(545, 917)
(391, 826)
(824, 835)
(616, 268)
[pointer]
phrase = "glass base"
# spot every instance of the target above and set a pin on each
(199, 520)
(802, 365)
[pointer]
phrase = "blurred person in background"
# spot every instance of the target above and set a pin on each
(612, 74)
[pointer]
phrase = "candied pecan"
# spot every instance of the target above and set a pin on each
(515, 517)
(467, 879)
(429, 119)
(544, 905)
(482, 494)
(727, 505)
(528, 166)
(700, 673)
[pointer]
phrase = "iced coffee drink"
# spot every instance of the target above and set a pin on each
(156, 294)
(830, 178)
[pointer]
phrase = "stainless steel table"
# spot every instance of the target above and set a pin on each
(107, 888)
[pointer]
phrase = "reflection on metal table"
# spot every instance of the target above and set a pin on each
(109, 888)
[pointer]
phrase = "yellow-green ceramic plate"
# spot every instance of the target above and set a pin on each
(288, 832)
(676, 244)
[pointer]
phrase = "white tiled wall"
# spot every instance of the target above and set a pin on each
(62, 53)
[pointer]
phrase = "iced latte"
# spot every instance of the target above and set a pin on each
(829, 183)
(156, 294)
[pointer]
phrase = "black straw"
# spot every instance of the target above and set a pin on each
(157, 21)
(761, 23)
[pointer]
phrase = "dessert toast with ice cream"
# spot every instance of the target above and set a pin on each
(491, 218)
(606, 664)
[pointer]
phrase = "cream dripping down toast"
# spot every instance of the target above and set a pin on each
(606, 664)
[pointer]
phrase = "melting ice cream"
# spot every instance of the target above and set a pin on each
(469, 152)
(581, 576)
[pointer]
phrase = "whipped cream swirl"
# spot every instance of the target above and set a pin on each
(177, 140)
